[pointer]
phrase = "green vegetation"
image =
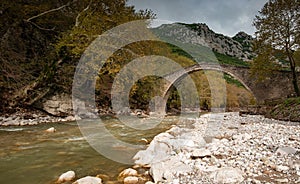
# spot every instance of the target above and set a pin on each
(291, 101)
(193, 26)
(231, 80)
(203, 54)
(246, 45)
(278, 29)
(198, 53)
(44, 41)
(179, 51)
(225, 59)
(287, 109)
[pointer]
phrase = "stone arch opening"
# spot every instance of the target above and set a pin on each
(194, 69)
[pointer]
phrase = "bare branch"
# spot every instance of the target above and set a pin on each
(84, 10)
(46, 12)
(39, 27)
(49, 11)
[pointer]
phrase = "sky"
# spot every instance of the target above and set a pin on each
(227, 17)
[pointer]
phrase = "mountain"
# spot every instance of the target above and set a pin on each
(239, 46)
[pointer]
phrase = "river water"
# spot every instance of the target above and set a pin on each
(29, 155)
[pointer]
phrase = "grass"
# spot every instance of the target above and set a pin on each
(197, 52)
(229, 60)
(201, 53)
(230, 80)
(179, 51)
(288, 109)
(292, 101)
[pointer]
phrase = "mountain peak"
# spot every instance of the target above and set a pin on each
(242, 35)
(239, 46)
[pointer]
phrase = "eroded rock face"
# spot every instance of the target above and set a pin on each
(58, 105)
(239, 46)
(62, 105)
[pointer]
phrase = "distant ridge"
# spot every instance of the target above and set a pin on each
(239, 46)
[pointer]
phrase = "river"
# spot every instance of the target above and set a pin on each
(30, 155)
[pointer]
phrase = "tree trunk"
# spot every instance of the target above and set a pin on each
(295, 82)
(294, 74)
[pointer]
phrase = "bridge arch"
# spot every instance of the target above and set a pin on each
(179, 75)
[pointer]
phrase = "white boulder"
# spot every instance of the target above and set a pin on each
(67, 176)
(50, 130)
(127, 172)
(131, 180)
(88, 180)
(227, 175)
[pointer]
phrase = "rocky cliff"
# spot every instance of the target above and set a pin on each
(239, 46)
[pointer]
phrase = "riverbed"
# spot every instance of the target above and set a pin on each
(226, 148)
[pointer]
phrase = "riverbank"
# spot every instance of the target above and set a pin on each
(286, 110)
(31, 117)
(225, 148)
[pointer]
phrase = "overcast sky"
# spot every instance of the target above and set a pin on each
(222, 16)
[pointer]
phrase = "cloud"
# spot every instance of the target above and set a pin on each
(223, 16)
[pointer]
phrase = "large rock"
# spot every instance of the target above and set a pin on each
(157, 151)
(167, 144)
(88, 180)
(165, 171)
(83, 110)
(127, 172)
(58, 105)
(227, 175)
(67, 176)
(286, 151)
(51, 130)
(131, 180)
(194, 138)
(201, 153)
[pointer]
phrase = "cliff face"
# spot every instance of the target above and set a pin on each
(239, 46)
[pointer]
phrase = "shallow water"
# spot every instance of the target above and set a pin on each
(29, 155)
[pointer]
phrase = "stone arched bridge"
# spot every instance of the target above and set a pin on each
(278, 85)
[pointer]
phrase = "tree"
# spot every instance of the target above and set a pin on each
(278, 31)
(68, 26)
(97, 17)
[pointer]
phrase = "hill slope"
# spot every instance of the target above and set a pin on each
(239, 46)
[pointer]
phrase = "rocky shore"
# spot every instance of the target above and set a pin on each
(31, 118)
(219, 148)
(225, 148)
(214, 148)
